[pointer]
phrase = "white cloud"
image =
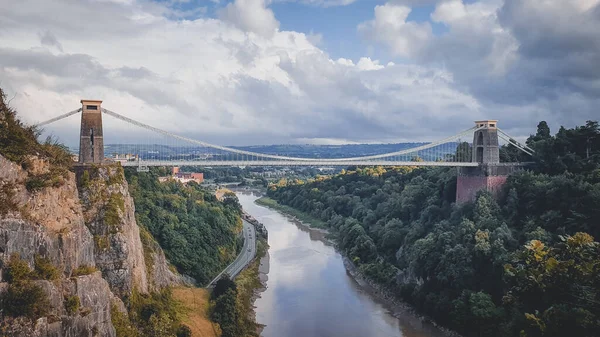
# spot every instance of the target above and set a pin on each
(238, 80)
(536, 57)
(251, 15)
(365, 63)
(390, 28)
(321, 3)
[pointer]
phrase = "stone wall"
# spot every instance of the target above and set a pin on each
(489, 177)
(468, 186)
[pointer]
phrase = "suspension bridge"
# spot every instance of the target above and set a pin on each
(166, 148)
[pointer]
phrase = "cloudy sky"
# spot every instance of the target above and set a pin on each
(305, 71)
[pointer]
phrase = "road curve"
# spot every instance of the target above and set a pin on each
(243, 259)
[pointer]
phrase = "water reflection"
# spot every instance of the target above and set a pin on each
(309, 292)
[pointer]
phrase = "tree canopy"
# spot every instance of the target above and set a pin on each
(197, 232)
(524, 264)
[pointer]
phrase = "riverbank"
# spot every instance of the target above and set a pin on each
(289, 211)
(250, 284)
(399, 309)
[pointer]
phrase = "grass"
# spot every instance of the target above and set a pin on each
(194, 303)
(83, 270)
(301, 216)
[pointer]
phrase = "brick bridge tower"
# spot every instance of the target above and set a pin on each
(490, 174)
(91, 142)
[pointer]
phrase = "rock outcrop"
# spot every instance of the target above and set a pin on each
(110, 215)
(36, 225)
(80, 225)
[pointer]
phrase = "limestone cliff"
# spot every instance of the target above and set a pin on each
(127, 258)
(109, 214)
(78, 226)
(48, 222)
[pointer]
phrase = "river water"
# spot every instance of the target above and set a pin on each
(310, 294)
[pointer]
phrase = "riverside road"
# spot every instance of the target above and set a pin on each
(246, 255)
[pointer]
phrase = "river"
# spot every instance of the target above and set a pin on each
(310, 294)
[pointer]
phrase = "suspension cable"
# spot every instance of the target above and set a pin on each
(523, 147)
(52, 120)
(502, 135)
(243, 152)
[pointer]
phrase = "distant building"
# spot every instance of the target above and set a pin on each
(184, 177)
(123, 158)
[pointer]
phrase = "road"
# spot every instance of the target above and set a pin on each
(246, 255)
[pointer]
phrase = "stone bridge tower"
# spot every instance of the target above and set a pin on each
(490, 175)
(91, 141)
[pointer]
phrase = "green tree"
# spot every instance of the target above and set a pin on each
(225, 313)
(557, 288)
(160, 325)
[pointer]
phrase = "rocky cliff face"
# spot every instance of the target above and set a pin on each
(47, 223)
(80, 226)
(109, 214)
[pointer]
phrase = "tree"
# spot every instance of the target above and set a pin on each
(557, 288)
(226, 314)
(222, 286)
(543, 131)
(463, 152)
(160, 326)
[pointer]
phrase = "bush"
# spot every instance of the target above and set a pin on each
(44, 269)
(17, 270)
(223, 284)
(25, 299)
(84, 182)
(184, 331)
(102, 242)
(36, 183)
(18, 142)
(115, 206)
(7, 204)
(117, 177)
(83, 270)
(122, 324)
(72, 304)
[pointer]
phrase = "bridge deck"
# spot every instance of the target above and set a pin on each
(297, 163)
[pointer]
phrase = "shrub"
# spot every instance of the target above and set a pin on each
(223, 284)
(184, 331)
(25, 299)
(17, 270)
(19, 141)
(83, 270)
(72, 304)
(102, 242)
(115, 204)
(148, 245)
(44, 269)
(122, 324)
(35, 183)
(7, 203)
(160, 325)
(84, 182)
(116, 177)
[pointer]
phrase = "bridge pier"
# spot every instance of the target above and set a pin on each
(490, 175)
(91, 140)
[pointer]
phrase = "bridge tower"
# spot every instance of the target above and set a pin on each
(91, 141)
(490, 175)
